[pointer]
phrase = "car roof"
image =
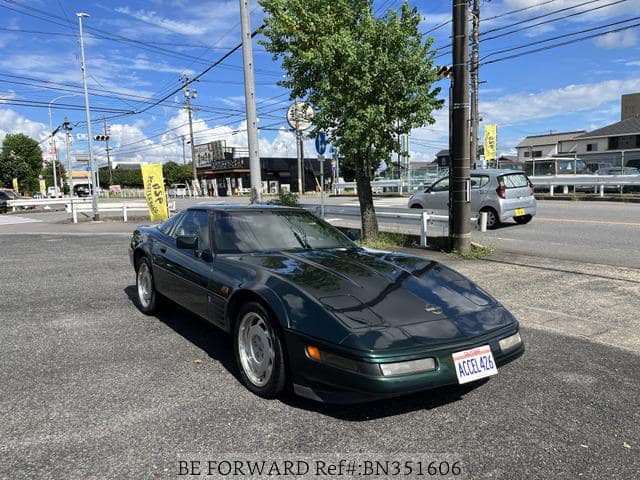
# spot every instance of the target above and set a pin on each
(246, 208)
(494, 171)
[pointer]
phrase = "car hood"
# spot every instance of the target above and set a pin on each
(388, 300)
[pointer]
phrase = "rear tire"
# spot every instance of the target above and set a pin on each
(493, 221)
(523, 219)
(145, 287)
(259, 351)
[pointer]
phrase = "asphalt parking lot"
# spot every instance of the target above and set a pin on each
(92, 388)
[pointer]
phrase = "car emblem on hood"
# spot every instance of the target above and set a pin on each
(433, 309)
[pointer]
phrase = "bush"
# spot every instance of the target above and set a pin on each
(286, 199)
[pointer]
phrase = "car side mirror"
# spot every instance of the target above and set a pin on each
(187, 242)
(353, 234)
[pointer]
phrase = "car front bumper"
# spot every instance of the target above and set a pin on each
(326, 383)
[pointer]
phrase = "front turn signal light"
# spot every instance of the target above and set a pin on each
(313, 353)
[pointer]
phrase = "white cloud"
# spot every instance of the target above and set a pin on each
(633, 63)
(217, 17)
(624, 39)
(523, 107)
(151, 17)
(13, 122)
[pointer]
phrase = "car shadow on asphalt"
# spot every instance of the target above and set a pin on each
(215, 342)
(218, 345)
(361, 412)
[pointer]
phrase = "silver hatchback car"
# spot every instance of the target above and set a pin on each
(503, 194)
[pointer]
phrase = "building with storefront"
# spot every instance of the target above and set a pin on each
(224, 171)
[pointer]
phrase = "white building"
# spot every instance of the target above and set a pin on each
(617, 144)
(550, 145)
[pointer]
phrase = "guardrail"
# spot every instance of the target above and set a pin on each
(598, 182)
(125, 208)
(399, 184)
(423, 218)
(45, 202)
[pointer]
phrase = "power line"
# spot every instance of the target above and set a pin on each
(548, 14)
(511, 32)
(557, 37)
(518, 10)
(582, 12)
(505, 14)
(569, 42)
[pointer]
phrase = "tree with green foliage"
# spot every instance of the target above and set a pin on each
(176, 173)
(124, 177)
(369, 78)
(21, 158)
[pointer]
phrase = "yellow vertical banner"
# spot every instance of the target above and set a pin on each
(43, 187)
(15, 184)
(153, 181)
(490, 140)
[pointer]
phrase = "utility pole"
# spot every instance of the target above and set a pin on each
(459, 179)
(300, 155)
(184, 158)
(190, 93)
(107, 149)
(66, 126)
(94, 173)
(475, 116)
(250, 103)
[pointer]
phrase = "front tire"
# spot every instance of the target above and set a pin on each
(524, 219)
(145, 286)
(259, 351)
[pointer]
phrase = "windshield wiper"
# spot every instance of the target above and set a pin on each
(302, 241)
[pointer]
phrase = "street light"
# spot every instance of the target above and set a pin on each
(94, 191)
(52, 141)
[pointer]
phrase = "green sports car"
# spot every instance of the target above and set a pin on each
(312, 311)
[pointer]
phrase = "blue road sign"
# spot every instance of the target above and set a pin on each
(321, 143)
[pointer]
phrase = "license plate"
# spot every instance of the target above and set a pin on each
(474, 364)
(519, 212)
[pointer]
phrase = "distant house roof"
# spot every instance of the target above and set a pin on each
(443, 153)
(630, 126)
(548, 139)
(510, 158)
(126, 165)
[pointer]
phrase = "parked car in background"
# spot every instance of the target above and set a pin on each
(37, 195)
(4, 198)
(310, 311)
(54, 192)
(503, 194)
(593, 167)
(620, 171)
(177, 190)
(82, 190)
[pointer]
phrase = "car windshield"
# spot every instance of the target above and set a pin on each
(273, 230)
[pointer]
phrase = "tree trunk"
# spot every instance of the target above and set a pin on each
(365, 196)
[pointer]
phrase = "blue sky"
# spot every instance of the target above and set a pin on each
(136, 51)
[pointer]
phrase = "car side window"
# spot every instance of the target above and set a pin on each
(479, 181)
(166, 226)
(441, 185)
(195, 222)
